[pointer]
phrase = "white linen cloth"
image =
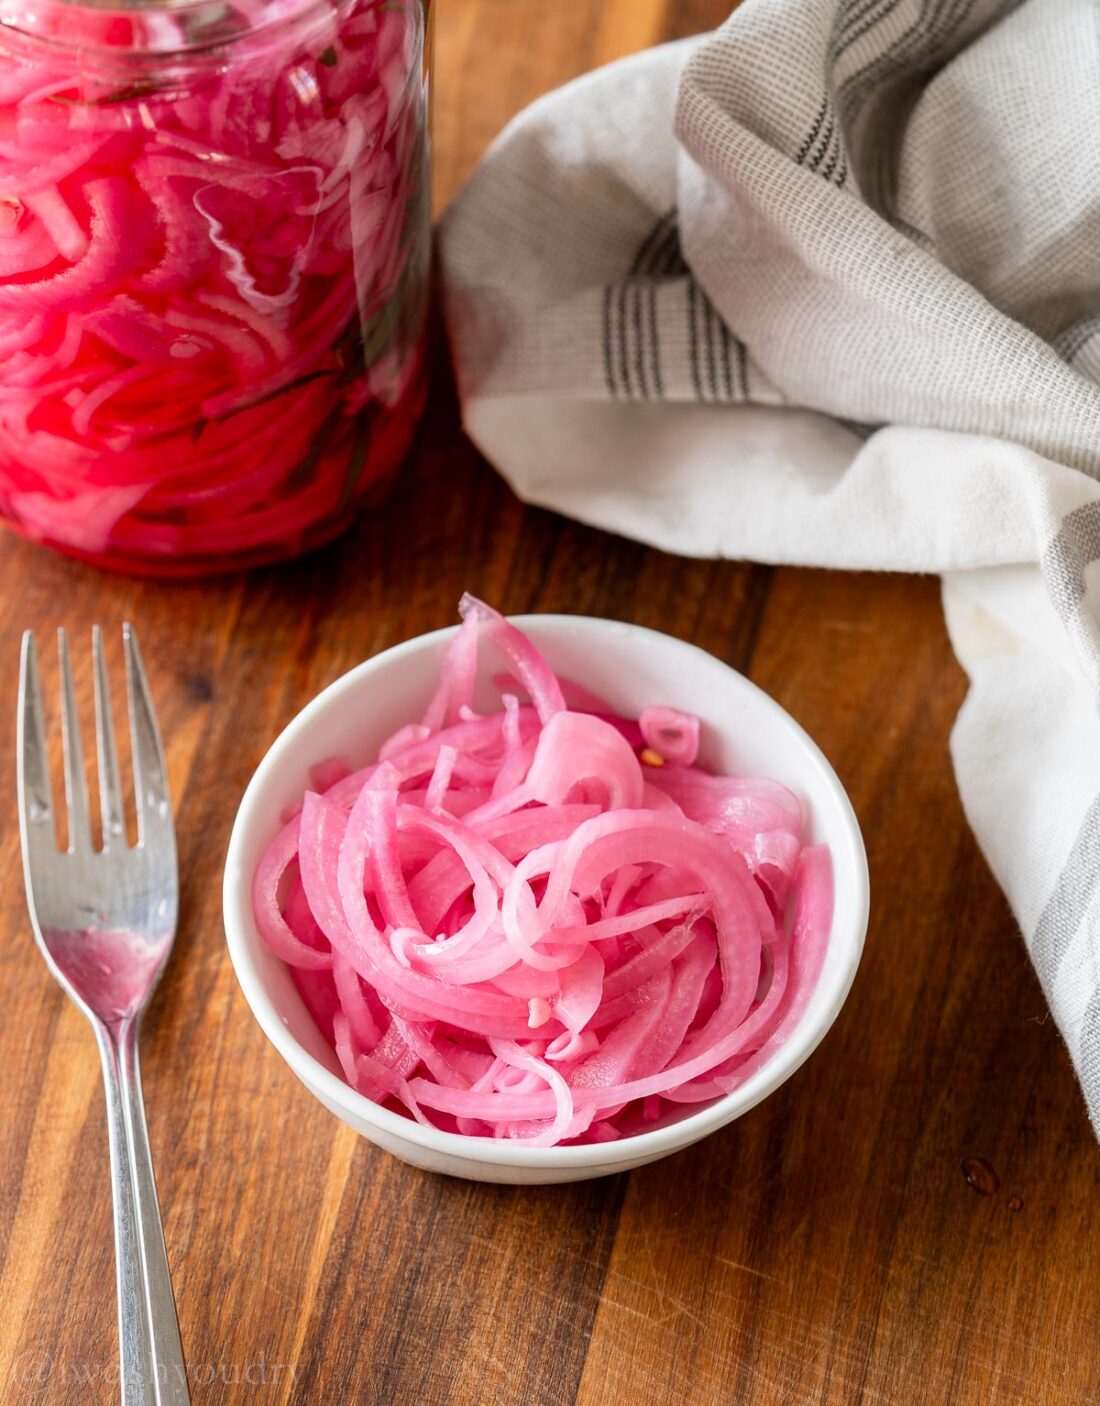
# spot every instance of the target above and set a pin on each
(823, 287)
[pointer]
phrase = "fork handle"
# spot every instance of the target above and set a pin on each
(150, 1353)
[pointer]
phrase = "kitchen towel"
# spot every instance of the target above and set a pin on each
(823, 287)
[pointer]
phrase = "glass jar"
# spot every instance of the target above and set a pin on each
(214, 258)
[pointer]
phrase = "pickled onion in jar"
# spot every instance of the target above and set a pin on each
(214, 232)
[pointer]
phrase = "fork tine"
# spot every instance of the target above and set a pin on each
(32, 762)
(110, 790)
(76, 786)
(150, 778)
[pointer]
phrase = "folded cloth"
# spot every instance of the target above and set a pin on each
(823, 287)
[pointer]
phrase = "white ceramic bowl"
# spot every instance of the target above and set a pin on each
(743, 731)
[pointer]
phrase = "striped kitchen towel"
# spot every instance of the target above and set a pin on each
(823, 287)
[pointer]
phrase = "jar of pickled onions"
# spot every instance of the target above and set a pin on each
(214, 257)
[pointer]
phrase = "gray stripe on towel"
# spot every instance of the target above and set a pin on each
(1075, 547)
(1089, 1061)
(1067, 905)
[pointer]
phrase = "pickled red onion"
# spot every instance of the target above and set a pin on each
(524, 925)
(213, 274)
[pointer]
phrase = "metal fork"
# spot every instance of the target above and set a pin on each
(105, 922)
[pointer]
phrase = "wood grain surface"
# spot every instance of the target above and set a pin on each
(827, 1248)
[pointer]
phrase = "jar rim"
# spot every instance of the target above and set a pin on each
(188, 28)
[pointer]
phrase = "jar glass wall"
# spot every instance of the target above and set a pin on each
(214, 258)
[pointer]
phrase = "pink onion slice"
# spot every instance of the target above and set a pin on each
(671, 735)
(545, 924)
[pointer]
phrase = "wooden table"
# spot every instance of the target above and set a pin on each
(826, 1248)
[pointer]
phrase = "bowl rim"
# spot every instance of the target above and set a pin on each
(333, 1090)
